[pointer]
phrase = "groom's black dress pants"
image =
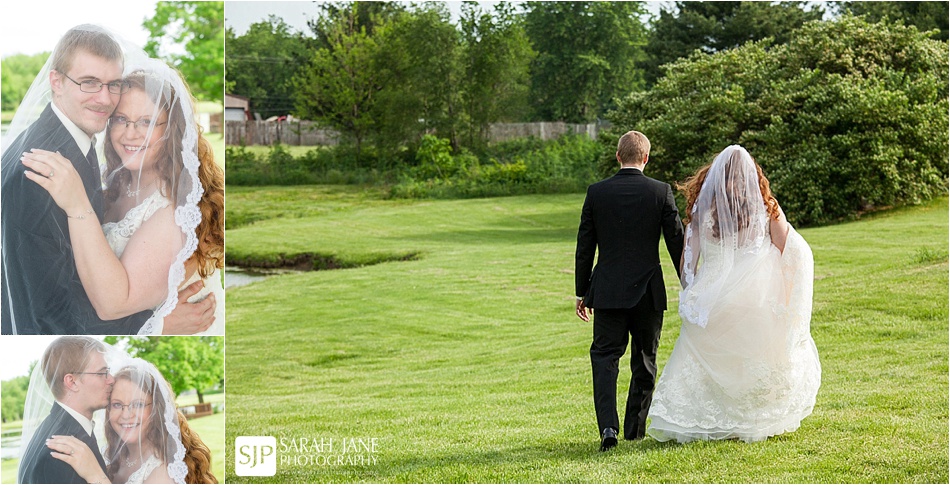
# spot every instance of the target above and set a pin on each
(613, 328)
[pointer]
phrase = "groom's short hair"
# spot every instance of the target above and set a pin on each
(67, 355)
(88, 38)
(632, 147)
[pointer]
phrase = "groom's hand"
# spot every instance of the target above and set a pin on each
(582, 311)
(190, 318)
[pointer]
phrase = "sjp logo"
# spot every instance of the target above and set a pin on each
(255, 456)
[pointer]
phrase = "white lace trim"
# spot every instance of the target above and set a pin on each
(119, 233)
(187, 217)
(145, 470)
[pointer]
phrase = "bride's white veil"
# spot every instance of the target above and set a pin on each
(135, 416)
(729, 224)
(154, 120)
(170, 137)
(125, 425)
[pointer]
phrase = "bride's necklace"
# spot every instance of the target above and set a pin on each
(130, 463)
(135, 193)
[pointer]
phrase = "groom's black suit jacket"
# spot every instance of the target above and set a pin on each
(42, 292)
(623, 217)
(38, 466)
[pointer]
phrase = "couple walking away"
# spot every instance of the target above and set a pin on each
(744, 366)
(83, 390)
(136, 251)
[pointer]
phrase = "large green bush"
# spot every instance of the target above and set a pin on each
(847, 117)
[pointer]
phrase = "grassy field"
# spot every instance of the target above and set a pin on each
(468, 365)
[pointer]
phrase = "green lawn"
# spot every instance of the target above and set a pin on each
(468, 365)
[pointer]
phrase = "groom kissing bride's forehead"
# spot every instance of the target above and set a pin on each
(94, 414)
(75, 369)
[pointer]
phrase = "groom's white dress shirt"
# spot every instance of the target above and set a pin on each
(86, 423)
(83, 140)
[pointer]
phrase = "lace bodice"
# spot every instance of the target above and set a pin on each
(119, 233)
(145, 470)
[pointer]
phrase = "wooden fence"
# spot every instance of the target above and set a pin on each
(306, 133)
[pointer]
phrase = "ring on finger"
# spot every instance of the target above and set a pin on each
(51, 173)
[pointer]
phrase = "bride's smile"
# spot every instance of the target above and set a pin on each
(128, 411)
(135, 127)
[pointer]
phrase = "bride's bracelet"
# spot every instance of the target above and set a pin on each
(81, 216)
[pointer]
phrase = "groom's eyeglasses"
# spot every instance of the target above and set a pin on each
(135, 406)
(100, 374)
(94, 86)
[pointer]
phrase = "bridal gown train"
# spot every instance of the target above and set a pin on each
(119, 233)
(746, 367)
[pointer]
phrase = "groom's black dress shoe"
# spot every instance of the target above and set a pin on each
(609, 439)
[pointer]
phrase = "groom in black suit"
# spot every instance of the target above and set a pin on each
(76, 371)
(623, 217)
(42, 292)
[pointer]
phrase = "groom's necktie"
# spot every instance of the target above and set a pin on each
(95, 194)
(94, 446)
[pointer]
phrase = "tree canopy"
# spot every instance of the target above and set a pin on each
(261, 65)
(199, 27)
(186, 363)
(712, 27)
(586, 56)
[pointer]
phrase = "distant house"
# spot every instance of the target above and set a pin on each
(236, 108)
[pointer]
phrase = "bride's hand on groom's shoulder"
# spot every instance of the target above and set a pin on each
(77, 455)
(56, 174)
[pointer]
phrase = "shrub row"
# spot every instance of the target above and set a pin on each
(525, 166)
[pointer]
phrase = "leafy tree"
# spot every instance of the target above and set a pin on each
(13, 397)
(366, 15)
(199, 27)
(586, 55)
(496, 79)
(186, 363)
(846, 117)
(17, 73)
(717, 26)
(341, 83)
(261, 65)
(926, 16)
(418, 60)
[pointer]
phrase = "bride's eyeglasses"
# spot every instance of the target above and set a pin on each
(140, 125)
(134, 406)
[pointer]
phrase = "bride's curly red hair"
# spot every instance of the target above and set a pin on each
(692, 185)
(197, 454)
(210, 232)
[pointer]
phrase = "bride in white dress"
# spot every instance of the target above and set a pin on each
(163, 226)
(745, 365)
